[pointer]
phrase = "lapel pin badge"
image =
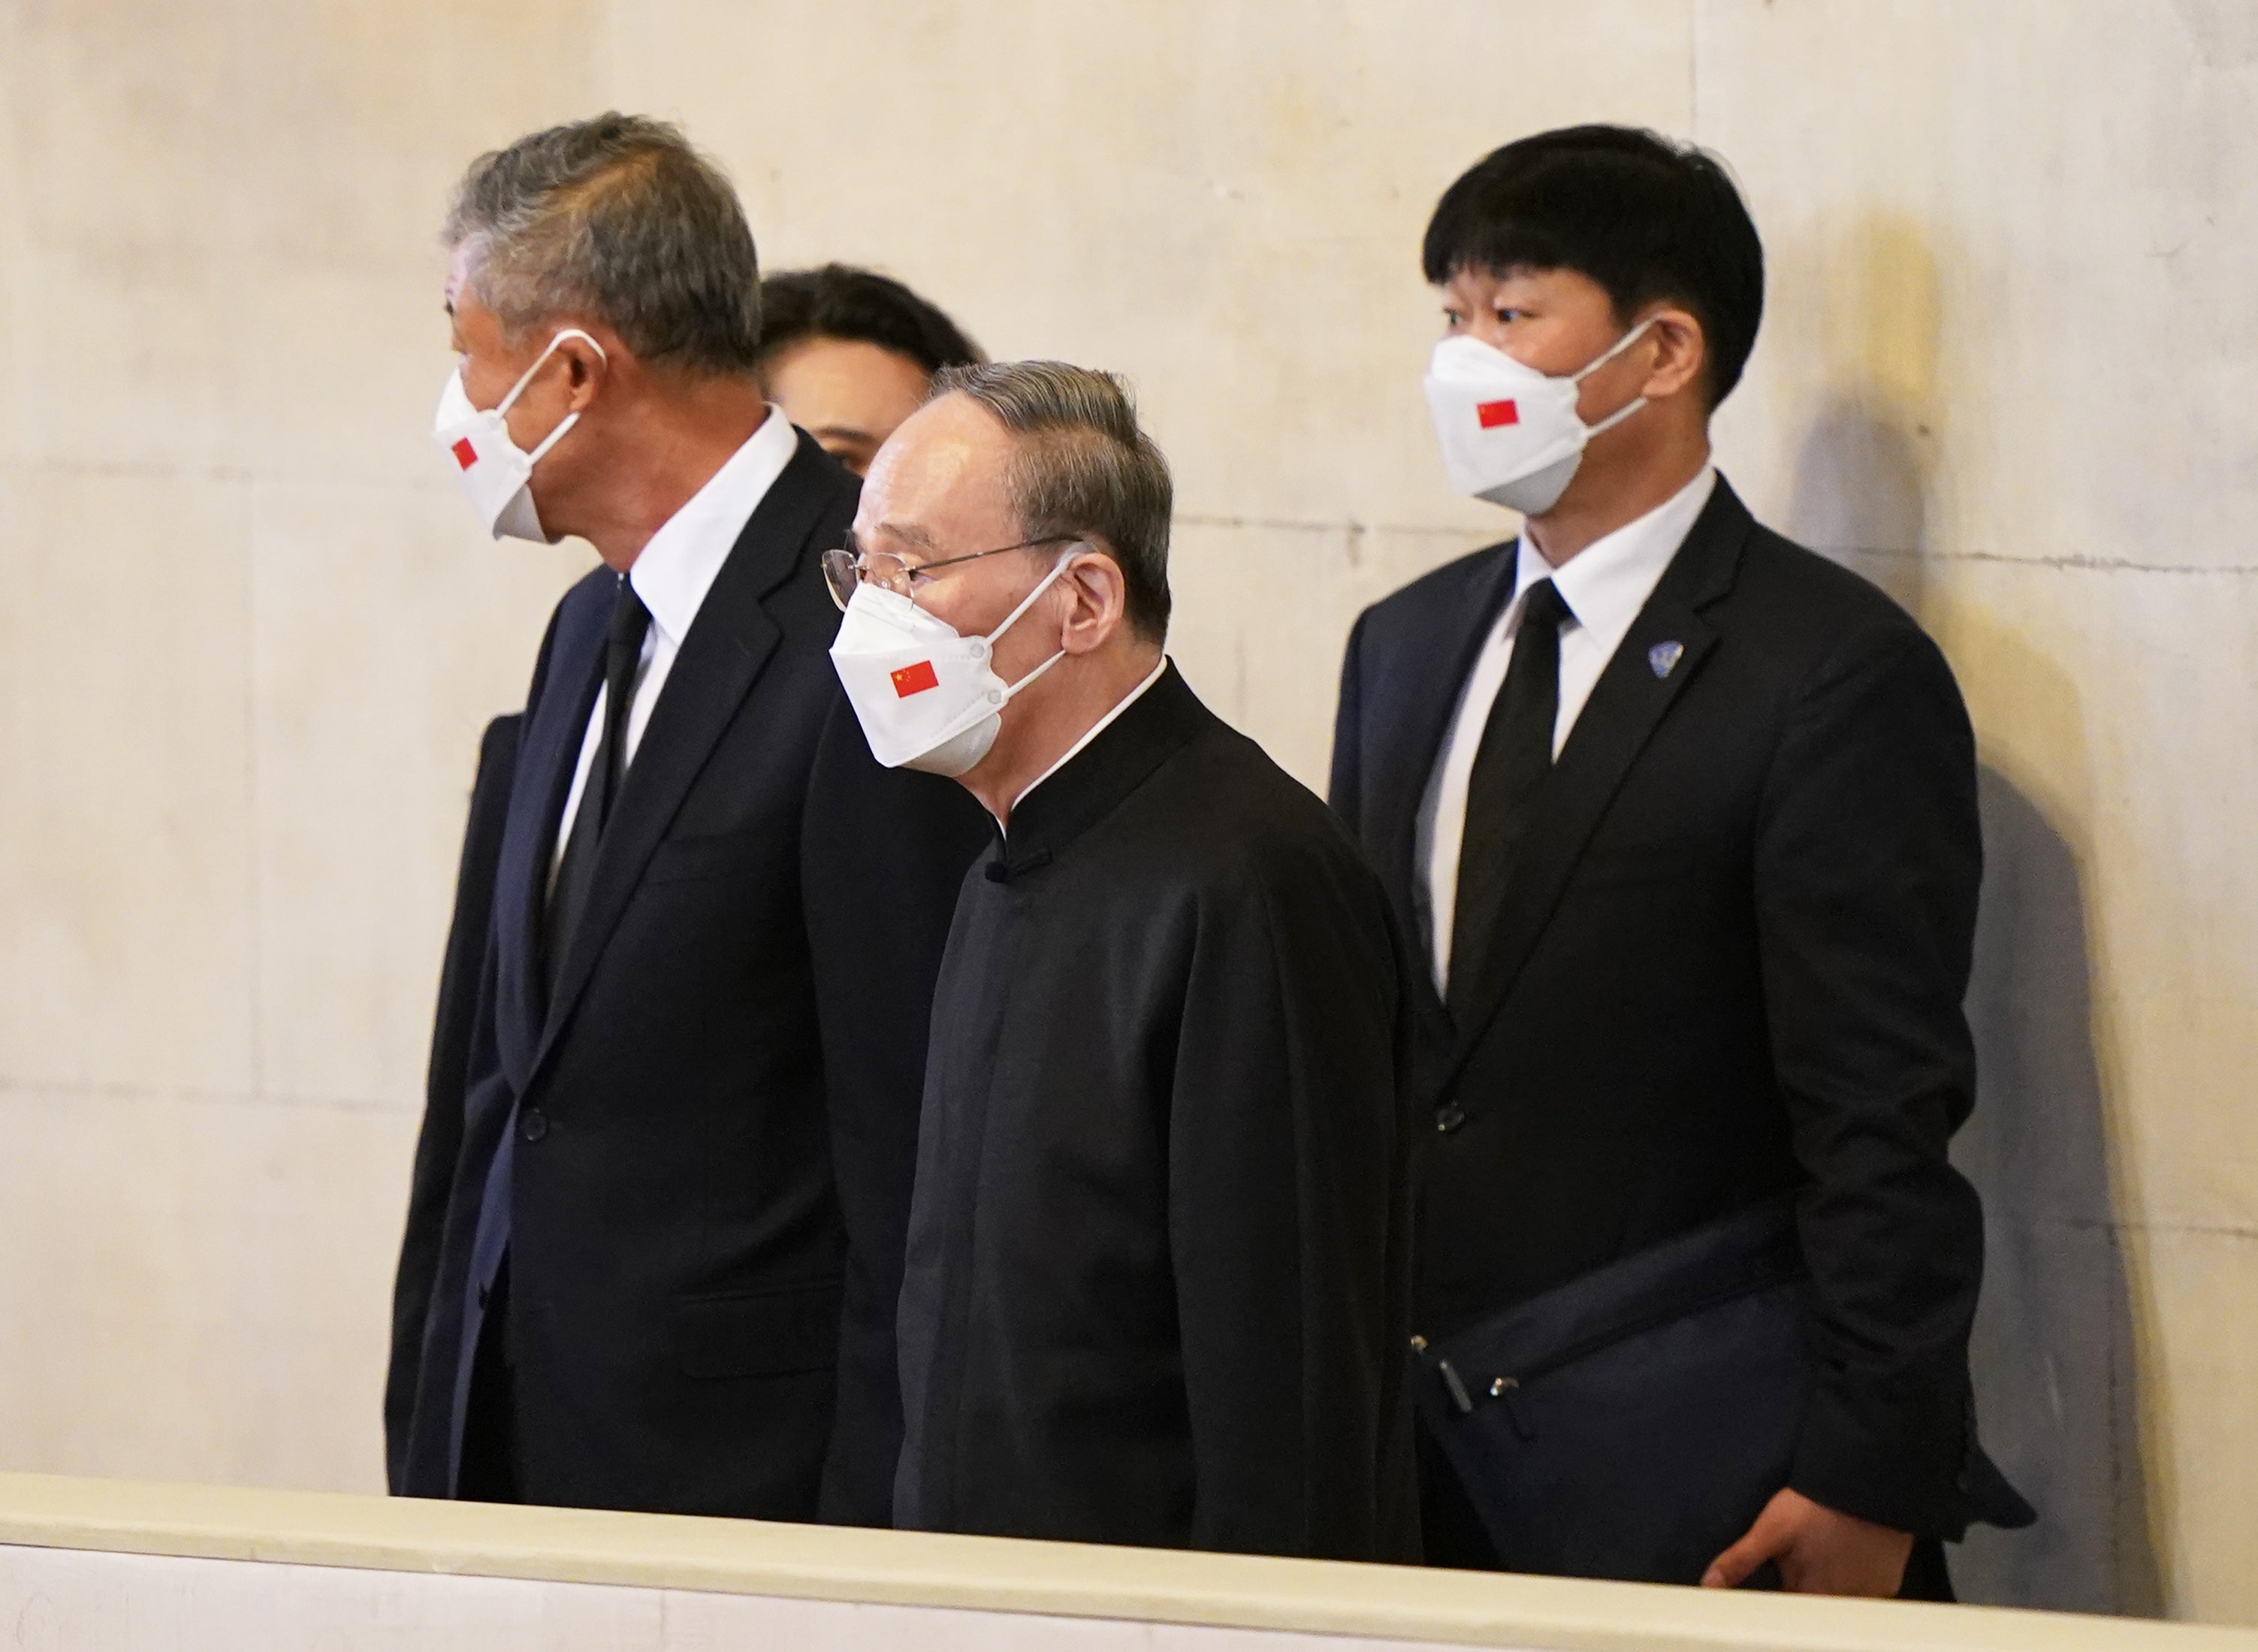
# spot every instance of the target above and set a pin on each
(1664, 658)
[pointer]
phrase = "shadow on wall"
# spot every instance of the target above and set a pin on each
(2053, 1349)
(2056, 1385)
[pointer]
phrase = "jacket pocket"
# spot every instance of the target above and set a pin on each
(719, 855)
(1637, 865)
(771, 1333)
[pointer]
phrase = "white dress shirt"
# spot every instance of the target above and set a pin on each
(1604, 585)
(671, 576)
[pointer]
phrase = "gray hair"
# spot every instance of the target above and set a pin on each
(1083, 469)
(619, 219)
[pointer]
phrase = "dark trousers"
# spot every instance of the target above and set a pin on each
(489, 1472)
(1455, 1536)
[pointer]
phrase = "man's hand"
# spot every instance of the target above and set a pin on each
(1820, 1552)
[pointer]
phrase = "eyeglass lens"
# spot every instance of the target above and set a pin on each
(843, 567)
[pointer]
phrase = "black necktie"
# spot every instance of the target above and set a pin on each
(622, 653)
(1510, 764)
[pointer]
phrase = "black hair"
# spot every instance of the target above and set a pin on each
(1648, 219)
(838, 301)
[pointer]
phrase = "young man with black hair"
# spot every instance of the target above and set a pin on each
(1683, 819)
(848, 354)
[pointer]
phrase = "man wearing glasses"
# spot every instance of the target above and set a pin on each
(1155, 1285)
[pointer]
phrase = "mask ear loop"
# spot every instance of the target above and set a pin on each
(1613, 350)
(502, 407)
(1067, 560)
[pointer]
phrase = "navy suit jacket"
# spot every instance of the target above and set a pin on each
(1729, 967)
(439, 1143)
(713, 1121)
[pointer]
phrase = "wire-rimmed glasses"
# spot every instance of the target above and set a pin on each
(847, 567)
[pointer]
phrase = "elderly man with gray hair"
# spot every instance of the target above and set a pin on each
(1156, 1284)
(655, 1234)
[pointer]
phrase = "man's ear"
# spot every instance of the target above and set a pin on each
(1681, 352)
(589, 365)
(1098, 597)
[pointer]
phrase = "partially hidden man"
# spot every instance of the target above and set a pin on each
(1155, 1291)
(655, 1234)
(454, 1023)
(1684, 818)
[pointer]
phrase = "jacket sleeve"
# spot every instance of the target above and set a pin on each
(883, 852)
(1869, 857)
(1286, 1179)
(1344, 791)
(439, 1146)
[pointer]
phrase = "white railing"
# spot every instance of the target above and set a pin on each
(117, 1566)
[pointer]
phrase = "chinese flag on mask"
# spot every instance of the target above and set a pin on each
(465, 455)
(914, 679)
(1492, 413)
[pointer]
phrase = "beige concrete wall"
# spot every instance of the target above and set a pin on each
(247, 637)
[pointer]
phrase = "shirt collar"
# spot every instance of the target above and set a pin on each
(1606, 582)
(1145, 730)
(683, 558)
(1093, 731)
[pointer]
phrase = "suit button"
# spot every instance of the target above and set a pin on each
(1448, 1117)
(534, 1125)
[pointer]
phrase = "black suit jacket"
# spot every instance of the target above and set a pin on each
(439, 1146)
(714, 1118)
(1730, 965)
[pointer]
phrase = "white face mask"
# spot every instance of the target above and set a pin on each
(492, 470)
(927, 697)
(1509, 433)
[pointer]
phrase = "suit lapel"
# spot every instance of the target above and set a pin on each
(728, 644)
(1628, 702)
(1401, 766)
(553, 733)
